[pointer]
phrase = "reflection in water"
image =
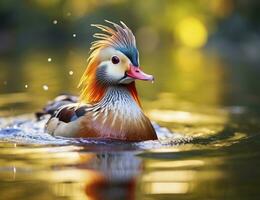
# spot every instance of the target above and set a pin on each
(170, 178)
(173, 164)
(185, 117)
(64, 172)
(165, 177)
(166, 188)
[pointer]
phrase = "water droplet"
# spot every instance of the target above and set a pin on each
(26, 86)
(74, 35)
(71, 72)
(55, 21)
(152, 81)
(45, 87)
(49, 59)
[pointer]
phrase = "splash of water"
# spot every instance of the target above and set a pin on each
(27, 130)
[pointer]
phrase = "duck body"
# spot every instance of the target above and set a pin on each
(108, 106)
(117, 116)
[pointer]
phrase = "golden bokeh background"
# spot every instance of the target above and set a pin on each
(45, 46)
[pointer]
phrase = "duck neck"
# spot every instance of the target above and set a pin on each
(120, 98)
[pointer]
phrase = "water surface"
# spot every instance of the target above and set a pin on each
(210, 155)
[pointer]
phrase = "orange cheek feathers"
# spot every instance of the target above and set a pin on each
(91, 90)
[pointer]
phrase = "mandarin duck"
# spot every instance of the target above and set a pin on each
(108, 106)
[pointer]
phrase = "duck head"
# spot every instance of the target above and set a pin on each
(114, 60)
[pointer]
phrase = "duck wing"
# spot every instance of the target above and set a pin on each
(56, 104)
(64, 121)
(70, 112)
(64, 111)
(64, 107)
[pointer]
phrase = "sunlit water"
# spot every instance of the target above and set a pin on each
(200, 155)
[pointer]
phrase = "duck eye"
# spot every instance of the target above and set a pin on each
(115, 60)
